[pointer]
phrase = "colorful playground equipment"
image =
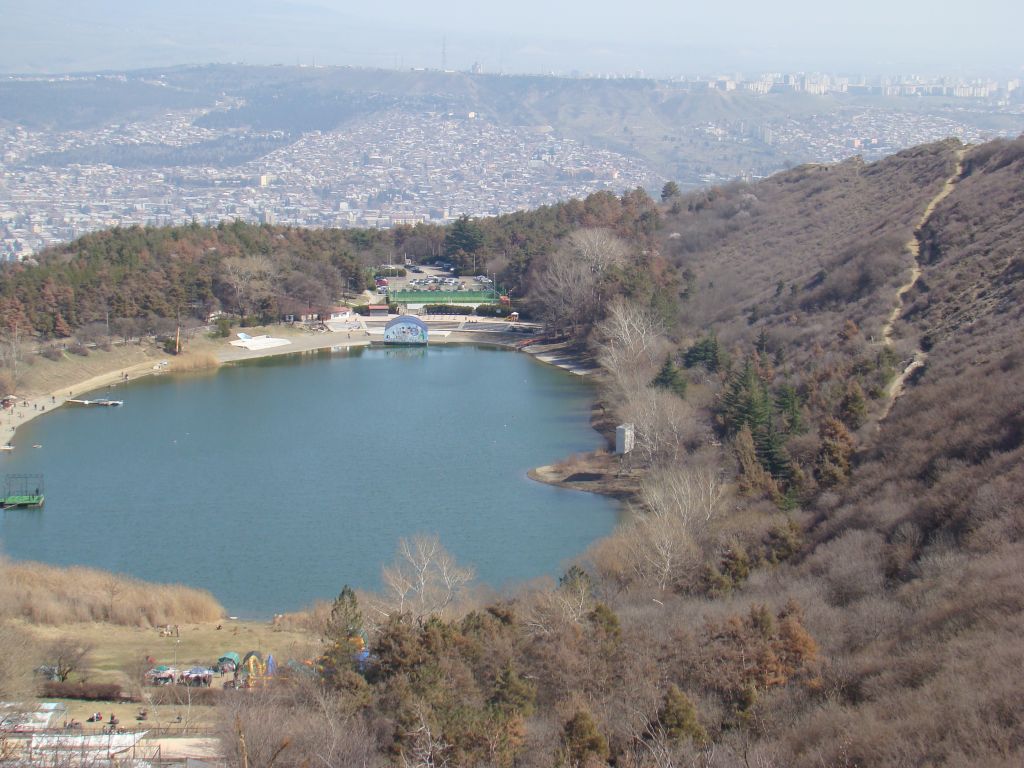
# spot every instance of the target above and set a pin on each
(253, 671)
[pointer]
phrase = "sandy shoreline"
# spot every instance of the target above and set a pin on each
(28, 409)
(354, 334)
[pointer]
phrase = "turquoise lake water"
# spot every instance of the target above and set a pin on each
(275, 482)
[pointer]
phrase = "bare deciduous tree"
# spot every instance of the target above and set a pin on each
(664, 539)
(289, 726)
(598, 249)
(663, 423)
(424, 580)
(426, 748)
(693, 495)
(66, 656)
(631, 346)
(12, 352)
(251, 278)
(570, 285)
(568, 603)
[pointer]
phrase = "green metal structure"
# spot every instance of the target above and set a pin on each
(23, 492)
(444, 297)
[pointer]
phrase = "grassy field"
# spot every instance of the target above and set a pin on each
(119, 655)
(157, 715)
(119, 652)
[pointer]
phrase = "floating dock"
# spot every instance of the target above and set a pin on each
(22, 492)
(100, 401)
(22, 502)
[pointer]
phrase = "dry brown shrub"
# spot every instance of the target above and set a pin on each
(281, 727)
(312, 619)
(193, 361)
(851, 566)
(44, 594)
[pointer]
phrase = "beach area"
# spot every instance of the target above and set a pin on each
(46, 385)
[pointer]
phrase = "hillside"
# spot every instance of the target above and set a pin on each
(807, 581)
(908, 577)
(814, 574)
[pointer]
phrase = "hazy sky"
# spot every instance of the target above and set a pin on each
(660, 37)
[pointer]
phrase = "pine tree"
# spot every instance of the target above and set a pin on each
(734, 401)
(746, 400)
(706, 352)
(582, 740)
(575, 578)
(853, 409)
(463, 235)
(604, 619)
(771, 451)
(346, 619)
(512, 693)
(670, 378)
(753, 477)
(343, 636)
(833, 465)
(761, 345)
(60, 326)
(678, 716)
(787, 402)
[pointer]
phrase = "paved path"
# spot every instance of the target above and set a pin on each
(181, 748)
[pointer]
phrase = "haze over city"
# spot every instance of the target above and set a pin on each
(654, 37)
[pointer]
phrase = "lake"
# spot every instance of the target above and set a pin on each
(274, 482)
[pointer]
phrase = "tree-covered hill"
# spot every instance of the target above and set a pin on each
(145, 275)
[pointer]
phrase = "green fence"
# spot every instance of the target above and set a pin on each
(443, 297)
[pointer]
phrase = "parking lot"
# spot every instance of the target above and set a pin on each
(421, 277)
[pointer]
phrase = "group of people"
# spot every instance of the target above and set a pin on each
(113, 723)
(97, 717)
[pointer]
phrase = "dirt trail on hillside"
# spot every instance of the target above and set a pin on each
(913, 245)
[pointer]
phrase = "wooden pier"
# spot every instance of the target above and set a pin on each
(100, 401)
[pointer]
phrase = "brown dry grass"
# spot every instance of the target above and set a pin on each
(194, 361)
(44, 376)
(44, 594)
